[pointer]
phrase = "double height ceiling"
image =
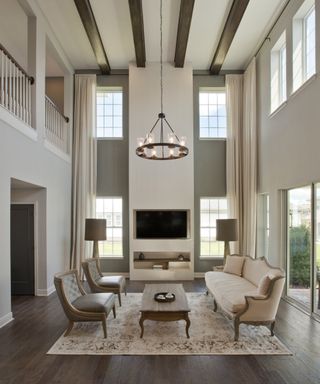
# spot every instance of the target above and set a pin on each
(213, 35)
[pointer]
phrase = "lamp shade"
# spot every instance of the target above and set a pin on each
(95, 229)
(227, 230)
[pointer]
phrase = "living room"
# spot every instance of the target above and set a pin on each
(65, 160)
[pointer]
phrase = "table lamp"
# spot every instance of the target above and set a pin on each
(226, 231)
(95, 229)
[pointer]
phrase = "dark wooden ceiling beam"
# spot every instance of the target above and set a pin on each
(136, 15)
(185, 16)
(230, 28)
(91, 28)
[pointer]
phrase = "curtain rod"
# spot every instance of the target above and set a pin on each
(270, 30)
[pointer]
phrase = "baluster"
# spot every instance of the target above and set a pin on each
(2, 79)
(29, 98)
(14, 90)
(6, 85)
(20, 95)
(27, 101)
(10, 86)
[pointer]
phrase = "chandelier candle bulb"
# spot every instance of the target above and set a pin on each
(140, 141)
(171, 138)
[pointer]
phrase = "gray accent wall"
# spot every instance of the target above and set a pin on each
(209, 168)
(113, 171)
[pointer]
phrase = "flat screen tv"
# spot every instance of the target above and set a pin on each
(165, 224)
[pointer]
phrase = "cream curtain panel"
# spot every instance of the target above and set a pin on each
(242, 156)
(84, 166)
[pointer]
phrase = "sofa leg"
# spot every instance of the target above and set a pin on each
(114, 311)
(272, 328)
(207, 292)
(236, 329)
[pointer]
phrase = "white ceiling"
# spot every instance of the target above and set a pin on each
(113, 20)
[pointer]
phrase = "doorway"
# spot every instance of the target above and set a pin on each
(22, 249)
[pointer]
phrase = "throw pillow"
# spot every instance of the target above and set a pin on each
(264, 284)
(234, 265)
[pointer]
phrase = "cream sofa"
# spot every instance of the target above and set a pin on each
(249, 293)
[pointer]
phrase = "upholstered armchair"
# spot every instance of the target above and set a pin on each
(99, 283)
(80, 306)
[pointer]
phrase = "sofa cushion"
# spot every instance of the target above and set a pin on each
(234, 265)
(264, 284)
(229, 290)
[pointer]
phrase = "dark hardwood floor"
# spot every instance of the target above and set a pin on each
(39, 321)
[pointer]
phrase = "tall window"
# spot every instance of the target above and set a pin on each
(109, 113)
(278, 73)
(304, 44)
(111, 210)
(299, 245)
(263, 225)
(212, 114)
(211, 209)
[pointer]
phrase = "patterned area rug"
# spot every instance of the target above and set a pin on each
(210, 334)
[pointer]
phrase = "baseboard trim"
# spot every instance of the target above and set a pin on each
(4, 320)
(46, 292)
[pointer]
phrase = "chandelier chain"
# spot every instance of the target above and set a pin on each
(161, 65)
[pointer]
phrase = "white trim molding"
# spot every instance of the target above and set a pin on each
(4, 320)
(18, 124)
(46, 292)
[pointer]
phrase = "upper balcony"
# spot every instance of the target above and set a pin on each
(36, 81)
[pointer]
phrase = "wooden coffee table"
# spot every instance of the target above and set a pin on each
(172, 311)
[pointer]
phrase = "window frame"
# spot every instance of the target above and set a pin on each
(278, 67)
(216, 90)
(110, 256)
(263, 225)
(110, 89)
(211, 257)
(299, 59)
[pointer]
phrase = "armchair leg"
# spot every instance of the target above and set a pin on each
(114, 311)
(104, 326)
(119, 297)
(70, 326)
(236, 329)
(272, 328)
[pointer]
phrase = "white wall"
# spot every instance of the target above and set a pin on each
(288, 140)
(160, 184)
(24, 156)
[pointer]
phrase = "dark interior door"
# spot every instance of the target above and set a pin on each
(22, 249)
